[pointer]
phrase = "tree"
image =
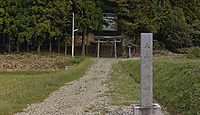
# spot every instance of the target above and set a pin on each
(89, 19)
(23, 22)
(61, 19)
(42, 24)
(174, 23)
(8, 13)
(170, 20)
(174, 31)
(195, 27)
(135, 17)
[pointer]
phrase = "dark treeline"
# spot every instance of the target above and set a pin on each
(175, 23)
(34, 23)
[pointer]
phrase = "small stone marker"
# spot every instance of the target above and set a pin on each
(129, 51)
(146, 106)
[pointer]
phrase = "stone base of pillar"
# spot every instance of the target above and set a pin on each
(155, 110)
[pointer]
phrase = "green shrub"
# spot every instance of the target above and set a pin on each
(70, 62)
(182, 50)
(161, 53)
(193, 52)
(158, 46)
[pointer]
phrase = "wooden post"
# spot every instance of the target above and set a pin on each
(98, 48)
(111, 49)
(115, 48)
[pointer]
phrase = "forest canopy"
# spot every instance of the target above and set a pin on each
(33, 23)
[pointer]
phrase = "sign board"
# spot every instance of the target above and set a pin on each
(110, 22)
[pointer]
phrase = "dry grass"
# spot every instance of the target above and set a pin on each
(27, 61)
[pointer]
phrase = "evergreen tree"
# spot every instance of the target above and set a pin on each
(89, 18)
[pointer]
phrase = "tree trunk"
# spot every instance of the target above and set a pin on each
(65, 48)
(83, 41)
(138, 44)
(18, 45)
(39, 46)
(59, 46)
(3, 42)
(83, 45)
(9, 46)
(50, 46)
(87, 45)
(86, 49)
(27, 47)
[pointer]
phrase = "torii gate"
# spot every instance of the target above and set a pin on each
(107, 39)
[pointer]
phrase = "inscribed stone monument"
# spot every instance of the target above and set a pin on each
(146, 106)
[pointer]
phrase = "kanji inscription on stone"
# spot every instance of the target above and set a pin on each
(146, 70)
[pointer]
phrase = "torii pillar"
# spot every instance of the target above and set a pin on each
(98, 48)
(115, 47)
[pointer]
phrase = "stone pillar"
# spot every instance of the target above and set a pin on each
(146, 70)
(146, 106)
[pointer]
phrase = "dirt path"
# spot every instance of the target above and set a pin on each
(85, 96)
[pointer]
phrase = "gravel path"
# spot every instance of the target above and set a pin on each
(85, 96)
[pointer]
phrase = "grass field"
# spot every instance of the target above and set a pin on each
(176, 84)
(19, 88)
(123, 89)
